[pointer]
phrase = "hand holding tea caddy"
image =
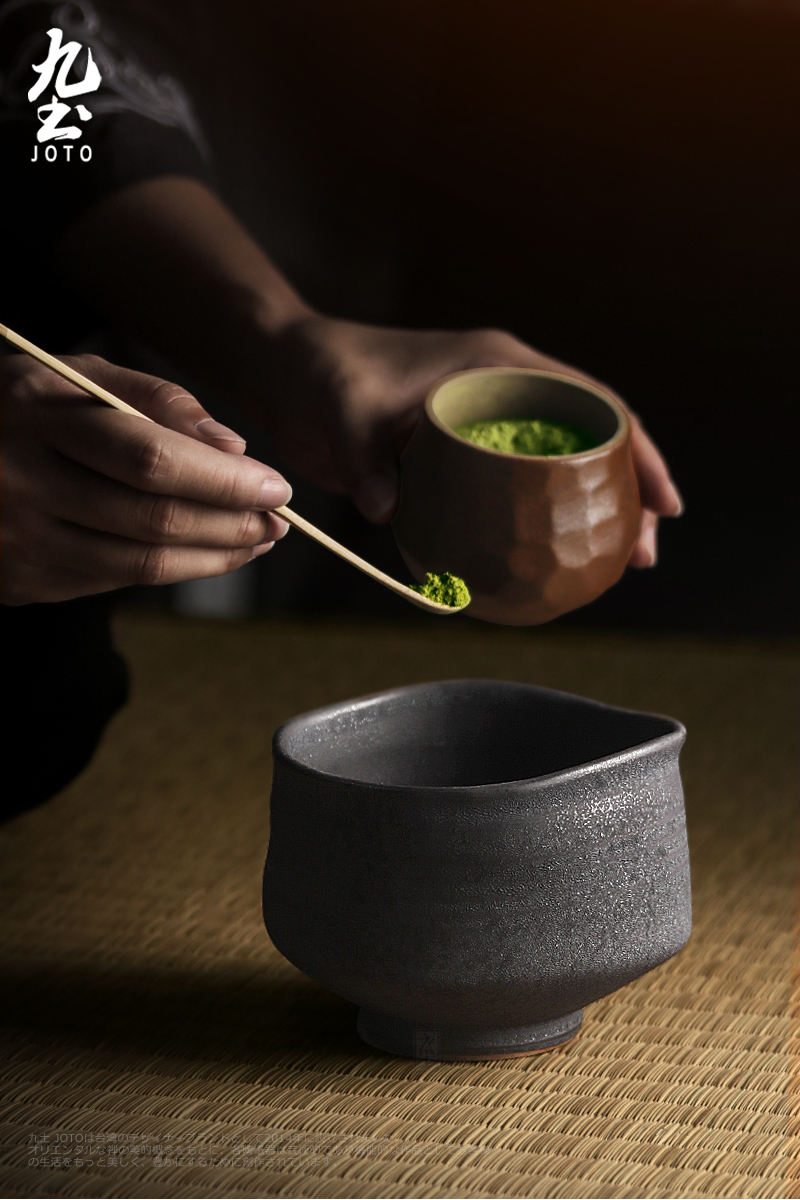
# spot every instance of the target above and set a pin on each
(356, 392)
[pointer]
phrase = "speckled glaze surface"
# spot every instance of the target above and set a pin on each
(533, 537)
(474, 861)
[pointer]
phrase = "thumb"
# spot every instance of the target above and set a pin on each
(166, 403)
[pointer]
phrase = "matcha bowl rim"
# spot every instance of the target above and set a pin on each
(674, 734)
(619, 435)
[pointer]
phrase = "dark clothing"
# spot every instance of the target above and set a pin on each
(141, 127)
(61, 673)
(63, 682)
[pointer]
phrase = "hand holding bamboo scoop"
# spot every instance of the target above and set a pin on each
(417, 597)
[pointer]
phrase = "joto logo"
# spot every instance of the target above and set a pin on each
(58, 64)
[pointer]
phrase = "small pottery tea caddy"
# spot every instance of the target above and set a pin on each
(533, 537)
(474, 861)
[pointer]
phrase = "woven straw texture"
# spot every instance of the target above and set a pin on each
(155, 1045)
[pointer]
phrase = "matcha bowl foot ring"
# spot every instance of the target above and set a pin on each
(472, 862)
(459, 1044)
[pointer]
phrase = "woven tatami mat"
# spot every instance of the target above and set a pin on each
(151, 1032)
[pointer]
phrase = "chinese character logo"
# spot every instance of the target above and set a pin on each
(61, 59)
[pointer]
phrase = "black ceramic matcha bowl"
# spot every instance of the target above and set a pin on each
(474, 861)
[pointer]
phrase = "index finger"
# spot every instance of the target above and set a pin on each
(151, 458)
(161, 400)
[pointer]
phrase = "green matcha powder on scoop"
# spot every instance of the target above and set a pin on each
(444, 589)
(527, 437)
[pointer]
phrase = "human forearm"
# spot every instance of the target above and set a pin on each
(170, 262)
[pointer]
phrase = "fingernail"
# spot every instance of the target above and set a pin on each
(376, 497)
(274, 491)
(259, 550)
(211, 429)
(679, 501)
(649, 541)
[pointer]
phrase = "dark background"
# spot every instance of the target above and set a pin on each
(616, 183)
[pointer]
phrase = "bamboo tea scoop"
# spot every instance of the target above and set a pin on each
(298, 522)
